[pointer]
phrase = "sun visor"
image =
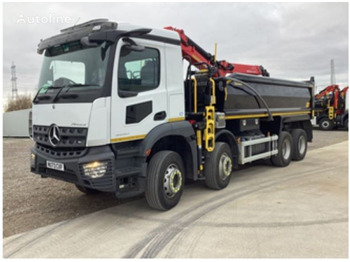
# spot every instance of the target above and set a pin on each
(77, 32)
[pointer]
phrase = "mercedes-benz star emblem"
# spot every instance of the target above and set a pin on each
(54, 135)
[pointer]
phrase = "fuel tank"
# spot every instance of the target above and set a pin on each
(247, 94)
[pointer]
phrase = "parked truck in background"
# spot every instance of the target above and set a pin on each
(331, 108)
(114, 113)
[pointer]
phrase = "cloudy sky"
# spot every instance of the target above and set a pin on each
(291, 40)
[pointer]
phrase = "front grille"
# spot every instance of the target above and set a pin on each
(61, 152)
(69, 136)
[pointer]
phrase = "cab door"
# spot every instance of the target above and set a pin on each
(139, 93)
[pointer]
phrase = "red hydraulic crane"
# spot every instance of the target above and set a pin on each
(198, 57)
(344, 91)
(330, 107)
(334, 91)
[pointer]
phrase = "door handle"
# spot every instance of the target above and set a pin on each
(159, 116)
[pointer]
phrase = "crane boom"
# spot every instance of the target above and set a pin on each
(327, 90)
(197, 56)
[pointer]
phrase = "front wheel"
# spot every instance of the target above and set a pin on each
(285, 150)
(218, 167)
(165, 180)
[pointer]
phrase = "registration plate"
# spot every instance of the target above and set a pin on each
(55, 165)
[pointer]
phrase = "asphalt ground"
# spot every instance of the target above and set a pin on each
(31, 202)
(300, 211)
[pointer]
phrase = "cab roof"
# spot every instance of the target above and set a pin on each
(101, 26)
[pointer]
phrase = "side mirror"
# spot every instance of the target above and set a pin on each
(136, 48)
(132, 46)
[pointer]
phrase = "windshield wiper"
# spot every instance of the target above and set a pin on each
(37, 97)
(57, 95)
(45, 97)
(77, 85)
(68, 88)
(54, 87)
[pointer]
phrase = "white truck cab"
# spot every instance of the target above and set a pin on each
(103, 88)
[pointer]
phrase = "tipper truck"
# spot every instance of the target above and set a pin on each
(331, 108)
(115, 113)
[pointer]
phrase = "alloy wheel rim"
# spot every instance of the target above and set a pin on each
(302, 144)
(325, 124)
(225, 166)
(172, 182)
(286, 149)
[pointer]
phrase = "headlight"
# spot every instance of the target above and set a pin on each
(95, 169)
(32, 160)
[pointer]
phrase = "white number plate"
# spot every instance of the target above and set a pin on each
(54, 165)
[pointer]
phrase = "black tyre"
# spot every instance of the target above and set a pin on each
(165, 180)
(285, 150)
(346, 124)
(299, 144)
(87, 191)
(218, 167)
(326, 124)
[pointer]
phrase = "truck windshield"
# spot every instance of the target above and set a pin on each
(72, 72)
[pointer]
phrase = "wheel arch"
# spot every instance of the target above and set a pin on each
(178, 137)
(302, 122)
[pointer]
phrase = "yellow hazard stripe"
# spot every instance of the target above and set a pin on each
(175, 119)
(127, 138)
(265, 115)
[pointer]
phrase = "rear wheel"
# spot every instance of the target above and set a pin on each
(165, 180)
(87, 191)
(218, 167)
(285, 150)
(299, 144)
(326, 124)
(346, 124)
